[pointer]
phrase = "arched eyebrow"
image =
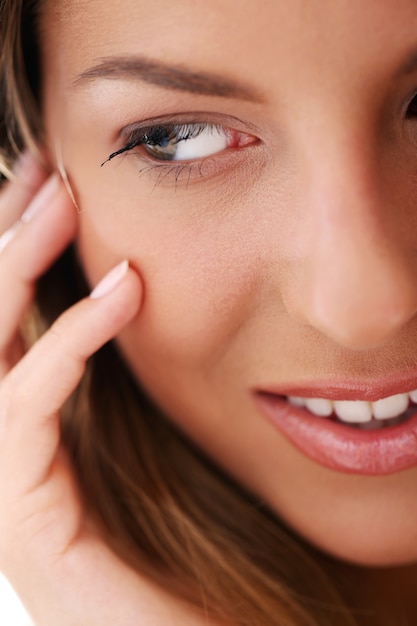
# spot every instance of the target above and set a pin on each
(167, 76)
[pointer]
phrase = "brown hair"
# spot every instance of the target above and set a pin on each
(163, 507)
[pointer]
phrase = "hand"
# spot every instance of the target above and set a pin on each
(49, 549)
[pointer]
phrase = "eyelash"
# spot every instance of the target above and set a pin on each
(153, 136)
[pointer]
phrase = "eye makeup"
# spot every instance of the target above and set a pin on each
(162, 142)
(180, 149)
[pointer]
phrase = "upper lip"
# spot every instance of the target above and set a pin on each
(371, 389)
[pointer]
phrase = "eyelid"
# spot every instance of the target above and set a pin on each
(130, 133)
(186, 172)
(192, 117)
(408, 104)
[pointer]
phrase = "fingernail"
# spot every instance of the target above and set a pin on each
(42, 198)
(7, 236)
(110, 281)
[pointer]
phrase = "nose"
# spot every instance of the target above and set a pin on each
(356, 277)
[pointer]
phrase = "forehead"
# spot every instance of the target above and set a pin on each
(265, 40)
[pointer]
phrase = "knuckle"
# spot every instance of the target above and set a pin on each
(61, 328)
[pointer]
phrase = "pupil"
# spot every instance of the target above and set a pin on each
(161, 143)
(160, 137)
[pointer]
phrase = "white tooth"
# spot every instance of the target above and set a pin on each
(413, 396)
(353, 411)
(319, 406)
(390, 407)
(296, 400)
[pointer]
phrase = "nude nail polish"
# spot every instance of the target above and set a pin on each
(110, 280)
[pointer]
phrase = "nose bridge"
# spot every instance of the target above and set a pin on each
(355, 282)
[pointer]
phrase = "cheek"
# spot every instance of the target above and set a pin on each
(204, 255)
(200, 283)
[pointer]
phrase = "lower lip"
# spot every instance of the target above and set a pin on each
(340, 447)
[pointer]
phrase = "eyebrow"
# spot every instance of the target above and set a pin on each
(167, 76)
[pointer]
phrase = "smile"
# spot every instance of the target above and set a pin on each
(364, 435)
(361, 413)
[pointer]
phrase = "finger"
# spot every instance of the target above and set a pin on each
(35, 390)
(35, 245)
(17, 194)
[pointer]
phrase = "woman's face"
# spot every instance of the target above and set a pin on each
(271, 211)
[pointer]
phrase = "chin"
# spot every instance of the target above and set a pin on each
(370, 551)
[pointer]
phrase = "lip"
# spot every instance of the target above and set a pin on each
(370, 390)
(339, 447)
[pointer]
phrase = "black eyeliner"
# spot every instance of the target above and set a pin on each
(154, 135)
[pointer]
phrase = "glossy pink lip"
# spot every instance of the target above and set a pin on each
(370, 390)
(340, 447)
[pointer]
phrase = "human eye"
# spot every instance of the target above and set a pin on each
(182, 147)
(411, 112)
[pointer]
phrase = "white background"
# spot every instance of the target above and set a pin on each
(11, 611)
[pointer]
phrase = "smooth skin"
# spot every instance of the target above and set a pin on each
(281, 263)
(289, 260)
(49, 549)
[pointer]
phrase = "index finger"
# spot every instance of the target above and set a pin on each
(32, 394)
